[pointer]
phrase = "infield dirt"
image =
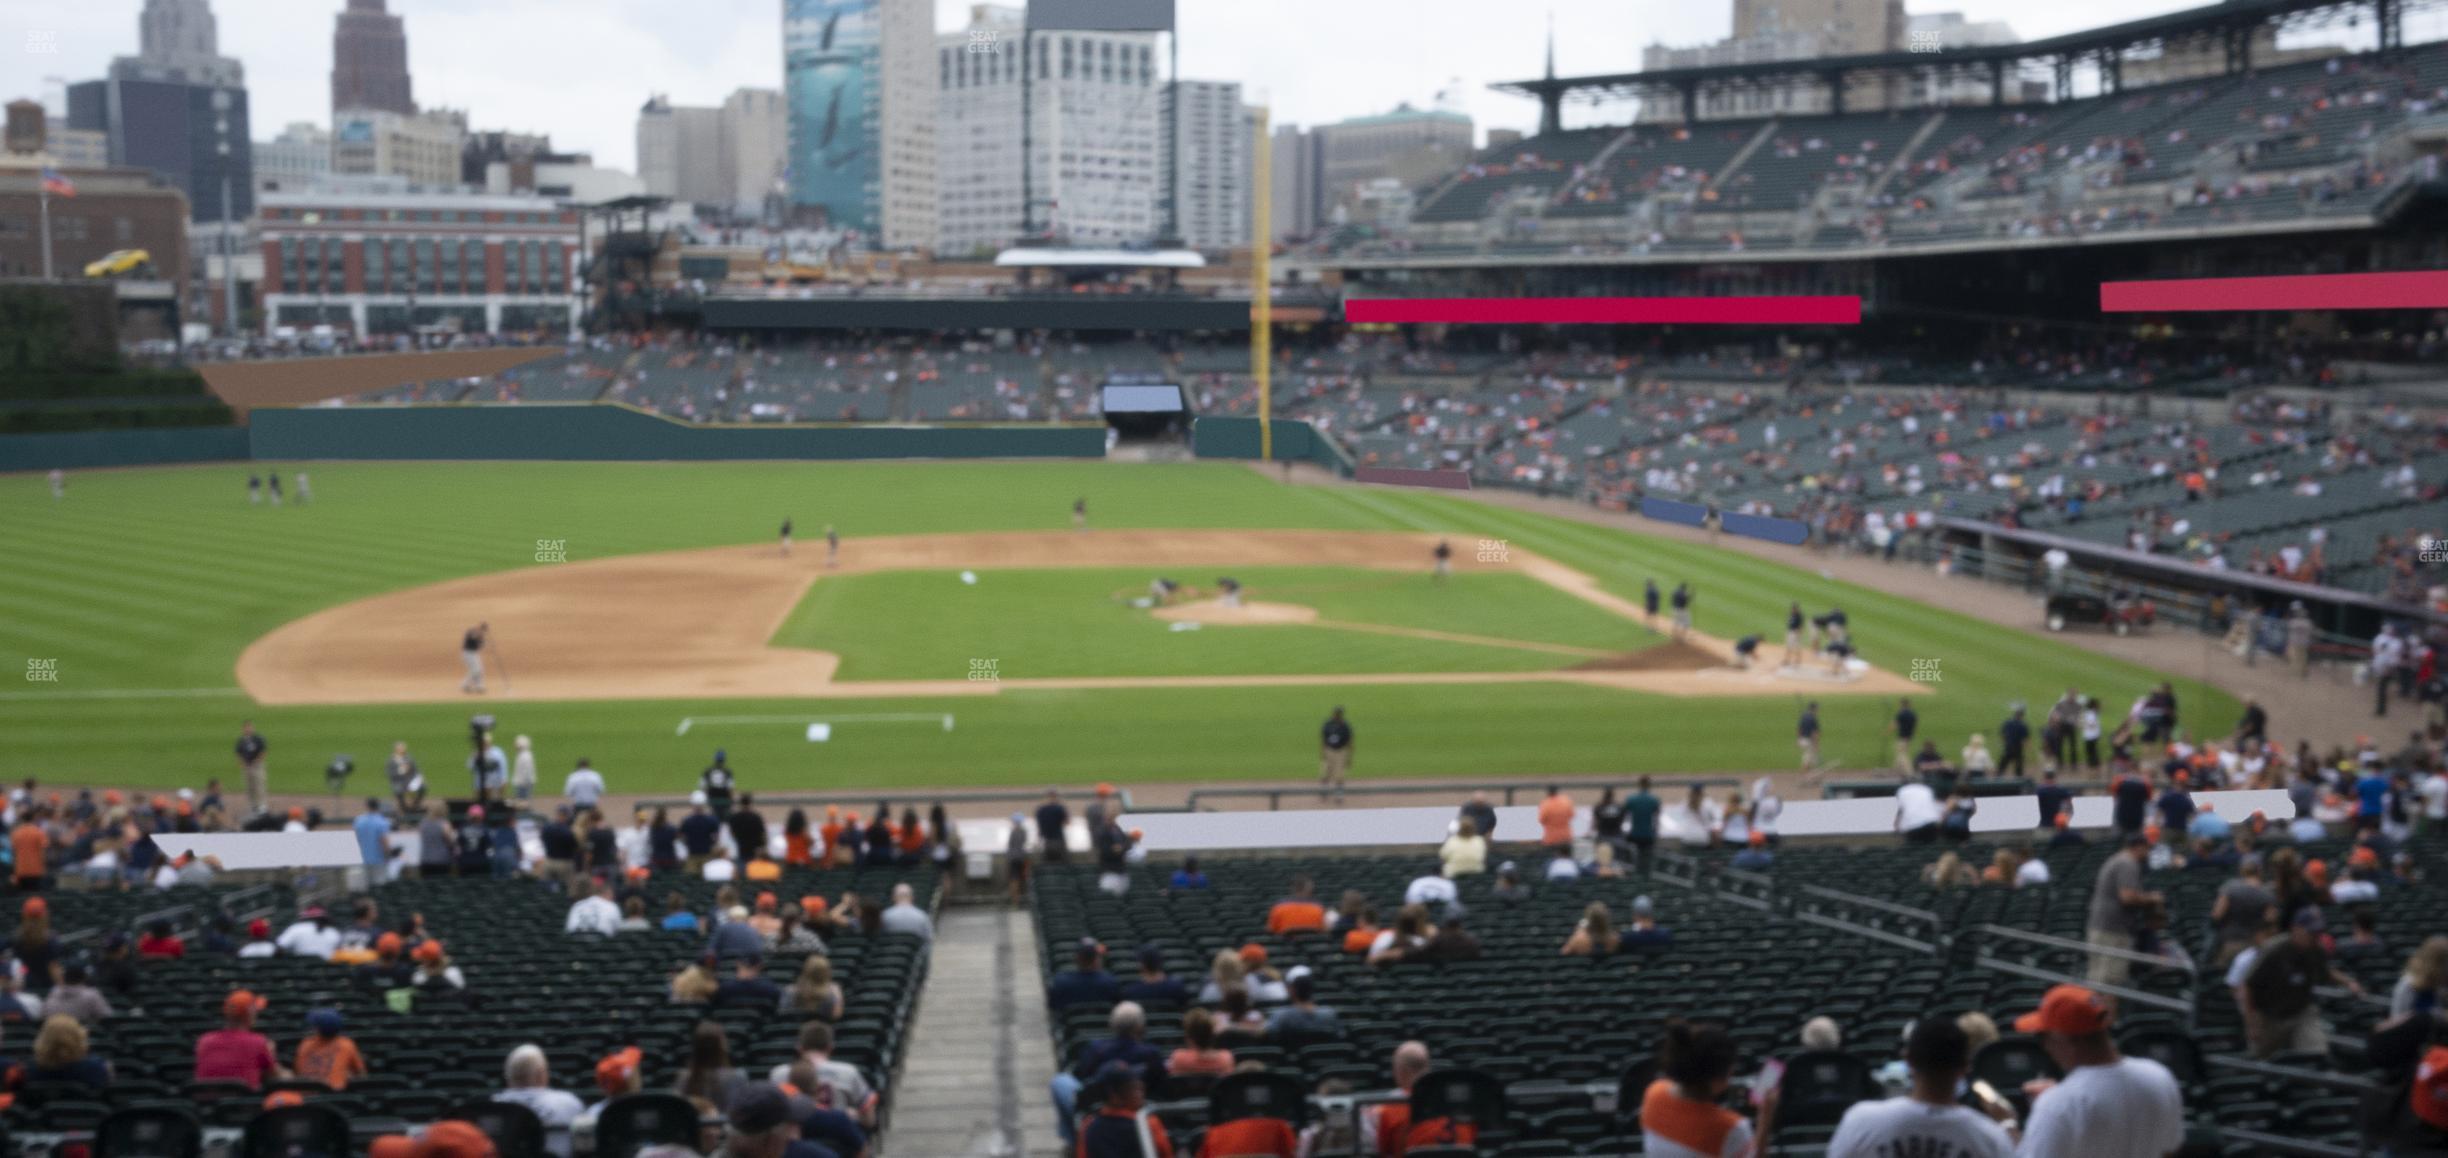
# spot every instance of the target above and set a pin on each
(696, 624)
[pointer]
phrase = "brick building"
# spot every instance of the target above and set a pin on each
(381, 263)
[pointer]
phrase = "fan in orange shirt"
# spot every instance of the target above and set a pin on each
(1555, 817)
(798, 844)
(326, 1056)
(831, 831)
(1298, 913)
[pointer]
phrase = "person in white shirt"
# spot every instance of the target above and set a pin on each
(584, 787)
(1562, 868)
(636, 842)
(312, 936)
(2033, 871)
(523, 770)
(595, 913)
(1917, 812)
(2434, 793)
(2108, 1105)
(1929, 1120)
(530, 1082)
(1432, 889)
(906, 917)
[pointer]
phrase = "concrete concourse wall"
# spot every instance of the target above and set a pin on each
(616, 434)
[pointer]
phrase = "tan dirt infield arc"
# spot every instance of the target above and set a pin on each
(696, 624)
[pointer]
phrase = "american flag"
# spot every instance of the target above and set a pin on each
(56, 185)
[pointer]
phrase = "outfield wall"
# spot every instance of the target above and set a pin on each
(88, 449)
(592, 433)
(1221, 437)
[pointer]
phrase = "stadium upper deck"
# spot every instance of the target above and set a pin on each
(2321, 144)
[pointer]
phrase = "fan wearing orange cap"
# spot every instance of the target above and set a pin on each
(2107, 1105)
(235, 1052)
(434, 969)
(446, 1139)
(619, 1075)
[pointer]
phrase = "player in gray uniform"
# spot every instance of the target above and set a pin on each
(471, 652)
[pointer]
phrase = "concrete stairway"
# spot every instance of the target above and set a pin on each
(979, 1063)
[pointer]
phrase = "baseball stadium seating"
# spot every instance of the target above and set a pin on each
(579, 997)
(1817, 935)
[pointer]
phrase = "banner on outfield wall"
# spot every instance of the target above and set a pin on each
(1100, 15)
(588, 433)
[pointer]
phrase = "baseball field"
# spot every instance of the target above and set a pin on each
(967, 634)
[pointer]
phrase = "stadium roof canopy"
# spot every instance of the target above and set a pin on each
(1039, 257)
(2231, 23)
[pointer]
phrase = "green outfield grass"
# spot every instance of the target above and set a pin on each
(144, 585)
(1050, 623)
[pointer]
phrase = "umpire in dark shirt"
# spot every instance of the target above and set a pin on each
(2013, 737)
(1052, 820)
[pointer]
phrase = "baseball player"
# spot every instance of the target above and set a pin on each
(1793, 636)
(1163, 590)
(1649, 600)
(471, 653)
(272, 482)
(305, 495)
(786, 532)
(59, 483)
(1228, 591)
(832, 546)
(1682, 600)
(1744, 650)
(1444, 559)
(255, 489)
(1079, 514)
(1806, 736)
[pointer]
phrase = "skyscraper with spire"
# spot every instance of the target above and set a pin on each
(178, 108)
(370, 60)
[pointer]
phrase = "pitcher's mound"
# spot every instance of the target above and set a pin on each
(1213, 613)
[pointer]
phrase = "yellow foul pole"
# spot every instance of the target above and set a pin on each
(1262, 300)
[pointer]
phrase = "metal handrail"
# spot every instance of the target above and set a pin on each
(1275, 795)
(2120, 992)
(2280, 1144)
(1826, 893)
(1858, 929)
(2188, 966)
(2291, 1073)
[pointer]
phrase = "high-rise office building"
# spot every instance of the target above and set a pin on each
(728, 157)
(1095, 134)
(178, 108)
(1770, 30)
(1295, 179)
(755, 129)
(1411, 145)
(852, 72)
(1212, 164)
(370, 60)
(910, 212)
(424, 148)
(300, 155)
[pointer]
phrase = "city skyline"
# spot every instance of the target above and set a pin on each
(514, 64)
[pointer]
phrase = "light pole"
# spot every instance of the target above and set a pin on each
(229, 276)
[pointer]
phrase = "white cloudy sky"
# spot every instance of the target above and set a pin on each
(579, 69)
